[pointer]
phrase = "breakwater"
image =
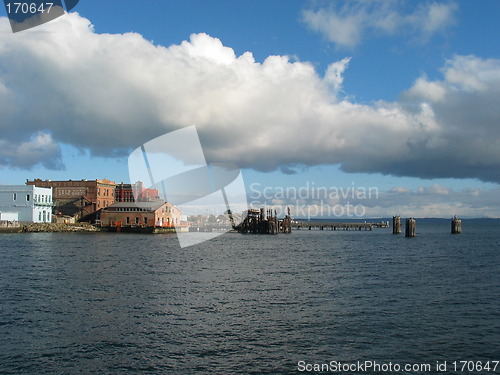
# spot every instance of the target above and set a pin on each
(51, 227)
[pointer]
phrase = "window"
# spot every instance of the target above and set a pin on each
(27, 197)
(145, 220)
(127, 220)
(137, 220)
(15, 196)
(39, 216)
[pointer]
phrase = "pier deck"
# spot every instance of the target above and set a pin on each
(337, 226)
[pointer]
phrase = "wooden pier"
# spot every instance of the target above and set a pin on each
(338, 226)
(264, 222)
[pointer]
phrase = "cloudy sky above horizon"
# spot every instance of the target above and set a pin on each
(401, 95)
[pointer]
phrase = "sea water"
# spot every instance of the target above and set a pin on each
(103, 303)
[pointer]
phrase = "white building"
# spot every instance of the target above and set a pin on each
(26, 202)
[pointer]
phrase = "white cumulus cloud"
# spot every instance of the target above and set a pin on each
(110, 93)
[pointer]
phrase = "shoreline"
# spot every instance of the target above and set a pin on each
(78, 228)
(52, 228)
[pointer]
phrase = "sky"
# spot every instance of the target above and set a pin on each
(397, 96)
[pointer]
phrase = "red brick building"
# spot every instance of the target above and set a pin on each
(140, 214)
(81, 198)
(135, 193)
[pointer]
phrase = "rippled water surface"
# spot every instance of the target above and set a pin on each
(124, 303)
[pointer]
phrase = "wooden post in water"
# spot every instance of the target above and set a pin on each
(411, 227)
(396, 225)
(456, 225)
(287, 222)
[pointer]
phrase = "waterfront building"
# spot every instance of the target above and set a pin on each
(140, 214)
(80, 198)
(29, 204)
(135, 193)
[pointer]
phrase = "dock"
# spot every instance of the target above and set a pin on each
(264, 222)
(328, 225)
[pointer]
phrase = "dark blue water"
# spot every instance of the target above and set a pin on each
(247, 304)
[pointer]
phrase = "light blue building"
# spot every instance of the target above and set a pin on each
(28, 203)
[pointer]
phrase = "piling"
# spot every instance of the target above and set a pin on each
(456, 225)
(264, 221)
(411, 227)
(396, 225)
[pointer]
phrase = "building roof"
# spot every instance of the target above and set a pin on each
(84, 181)
(148, 206)
(5, 188)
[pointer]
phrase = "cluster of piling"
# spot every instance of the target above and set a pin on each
(265, 222)
(411, 226)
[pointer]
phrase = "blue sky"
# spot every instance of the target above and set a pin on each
(394, 94)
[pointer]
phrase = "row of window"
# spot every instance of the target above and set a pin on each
(39, 198)
(126, 199)
(145, 220)
(104, 204)
(124, 195)
(105, 192)
(127, 220)
(167, 210)
(42, 198)
(44, 217)
(131, 209)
